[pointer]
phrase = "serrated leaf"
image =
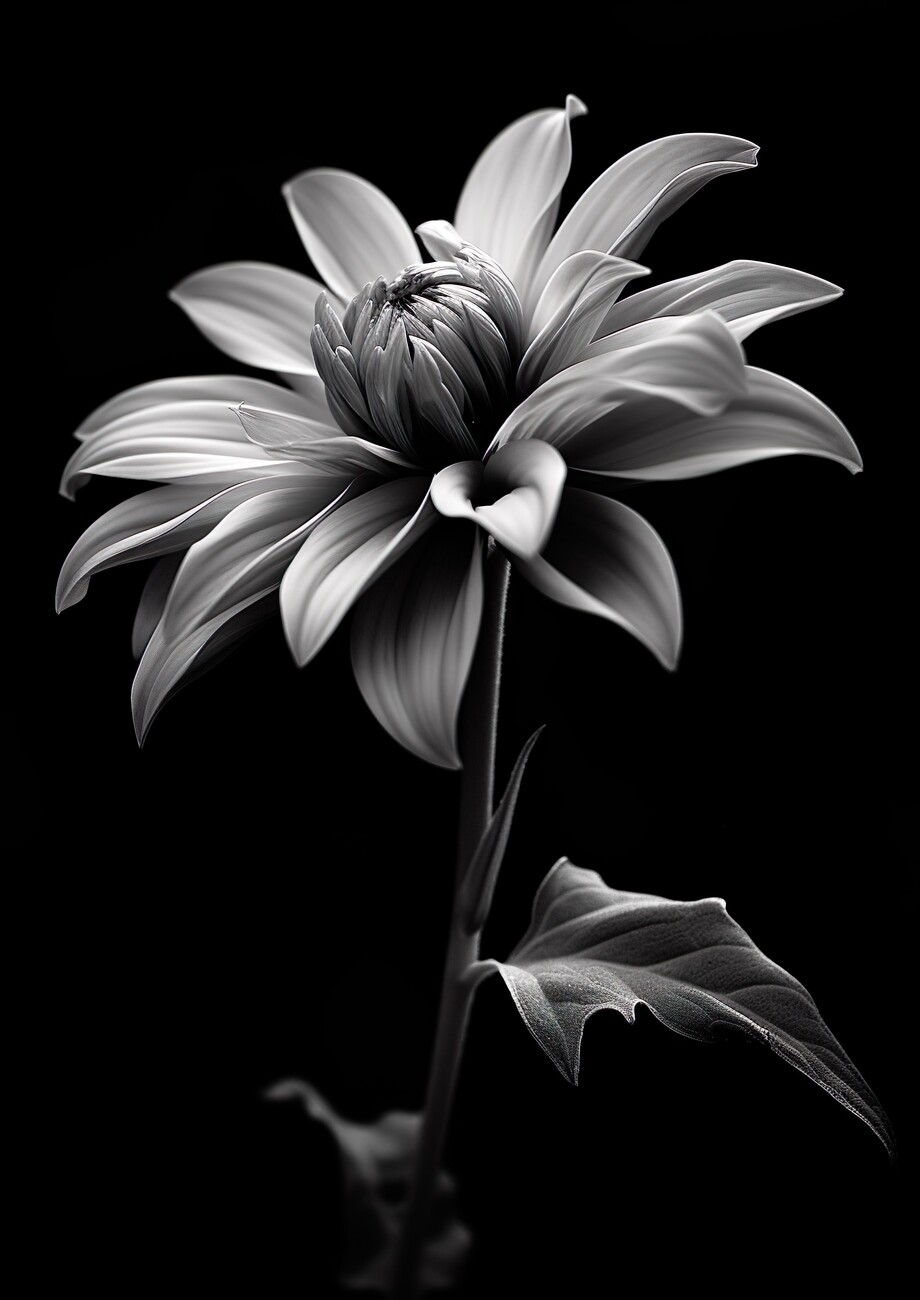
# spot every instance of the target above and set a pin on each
(590, 948)
(377, 1161)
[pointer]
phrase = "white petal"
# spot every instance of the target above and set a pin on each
(605, 559)
(413, 639)
(167, 665)
(352, 232)
(255, 312)
(320, 447)
(344, 555)
(745, 294)
(247, 552)
(511, 197)
(654, 440)
(579, 294)
(620, 211)
(691, 360)
(153, 523)
(227, 389)
(173, 441)
(152, 601)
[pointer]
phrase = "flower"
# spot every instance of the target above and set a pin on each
(486, 397)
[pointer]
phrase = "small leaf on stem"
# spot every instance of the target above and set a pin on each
(590, 948)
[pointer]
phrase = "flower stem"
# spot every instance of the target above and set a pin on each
(479, 724)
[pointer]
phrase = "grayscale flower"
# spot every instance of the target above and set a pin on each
(491, 393)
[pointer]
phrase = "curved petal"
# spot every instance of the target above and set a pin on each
(167, 665)
(745, 294)
(656, 440)
(153, 523)
(346, 553)
(247, 552)
(413, 639)
(257, 313)
(321, 447)
(621, 210)
(352, 232)
(579, 294)
(229, 390)
(605, 559)
(521, 485)
(511, 197)
(690, 360)
(153, 600)
(175, 441)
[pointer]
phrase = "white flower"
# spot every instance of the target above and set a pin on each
(493, 392)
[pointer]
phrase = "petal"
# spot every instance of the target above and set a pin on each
(745, 294)
(153, 523)
(352, 232)
(320, 447)
(413, 638)
(167, 665)
(511, 197)
(578, 297)
(605, 559)
(655, 440)
(255, 312)
(344, 555)
(152, 602)
(620, 211)
(522, 480)
(247, 552)
(691, 360)
(230, 390)
(173, 441)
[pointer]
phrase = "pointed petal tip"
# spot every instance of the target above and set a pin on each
(575, 107)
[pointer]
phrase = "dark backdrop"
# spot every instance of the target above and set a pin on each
(262, 891)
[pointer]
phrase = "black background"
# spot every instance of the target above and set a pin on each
(262, 891)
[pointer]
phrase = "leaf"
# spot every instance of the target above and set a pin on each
(590, 948)
(377, 1162)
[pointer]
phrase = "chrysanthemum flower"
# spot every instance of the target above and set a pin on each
(491, 393)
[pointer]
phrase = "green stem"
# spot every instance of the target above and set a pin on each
(478, 723)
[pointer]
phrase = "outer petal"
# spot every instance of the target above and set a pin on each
(518, 489)
(229, 390)
(204, 440)
(319, 446)
(691, 360)
(154, 523)
(413, 638)
(621, 210)
(579, 294)
(656, 440)
(344, 555)
(255, 312)
(605, 559)
(511, 197)
(352, 232)
(745, 294)
(153, 600)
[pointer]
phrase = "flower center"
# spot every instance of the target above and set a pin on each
(425, 363)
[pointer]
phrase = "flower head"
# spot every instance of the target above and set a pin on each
(433, 409)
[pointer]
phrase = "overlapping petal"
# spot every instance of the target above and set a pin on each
(693, 361)
(514, 496)
(621, 210)
(153, 601)
(203, 440)
(657, 440)
(413, 638)
(255, 312)
(511, 197)
(604, 559)
(745, 294)
(321, 447)
(344, 554)
(352, 232)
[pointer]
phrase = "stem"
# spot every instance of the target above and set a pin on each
(478, 728)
